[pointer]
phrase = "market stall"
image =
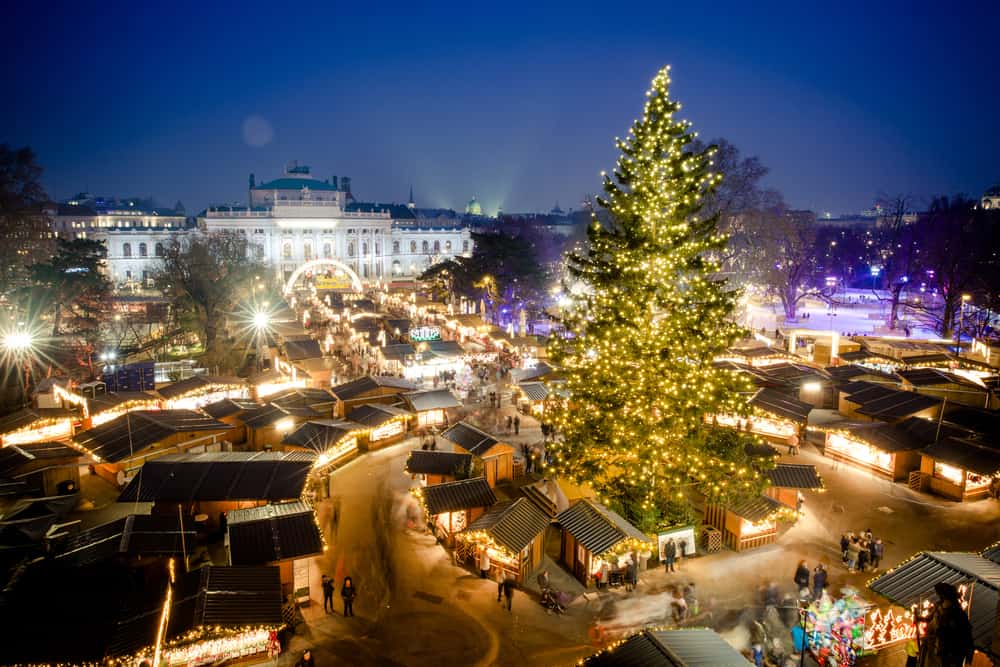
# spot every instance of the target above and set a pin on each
(884, 449)
(199, 390)
(960, 469)
(750, 524)
(593, 535)
(511, 533)
(452, 506)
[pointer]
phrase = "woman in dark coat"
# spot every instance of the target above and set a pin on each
(801, 576)
(348, 592)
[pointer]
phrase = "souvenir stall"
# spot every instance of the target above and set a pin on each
(450, 507)
(593, 535)
(960, 469)
(835, 629)
(37, 425)
(511, 533)
(750, 524)
(881, 448)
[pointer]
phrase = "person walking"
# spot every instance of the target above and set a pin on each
(819, 581)
(669, 555)
(517, 424)
(691, 597)
(508, 591)
(605, 573)
(348, 592)
(877, 551)
(327, 594)
(510, 423)
(801, 578)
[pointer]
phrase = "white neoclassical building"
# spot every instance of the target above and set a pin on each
(298, 222)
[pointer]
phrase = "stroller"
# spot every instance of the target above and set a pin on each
(550, 600)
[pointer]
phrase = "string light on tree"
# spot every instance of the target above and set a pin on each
(645, 330)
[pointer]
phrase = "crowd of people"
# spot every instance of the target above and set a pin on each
(861, 552)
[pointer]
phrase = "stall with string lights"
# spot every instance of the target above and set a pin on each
(884, 449)
(450, 507)
(511, 533)
(594, 536)
(749, 524)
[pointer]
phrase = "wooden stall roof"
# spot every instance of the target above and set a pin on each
(512, 524)
(320, 435)
(433, 462)
(756, 509)
(782, 405)
(678, 647)
(965, 454)
(196, 382)
(470, 438)
(375, 414)
(270, 533)
(132, 535)
(132, 432)
(923, 377)
(458, 495)
(596, 527)
(356, 388)
(885, 437)
(228, 407)
(795, 476)
(433, 399)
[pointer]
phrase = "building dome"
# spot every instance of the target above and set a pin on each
(991, 198)
(473, 207)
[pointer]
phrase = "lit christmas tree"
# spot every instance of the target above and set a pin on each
(649, 313)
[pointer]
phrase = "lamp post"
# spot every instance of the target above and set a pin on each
(961, 323)
(261, 322)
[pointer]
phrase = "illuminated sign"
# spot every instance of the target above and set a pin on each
(425, 333)
(387, 430)
(338, 280)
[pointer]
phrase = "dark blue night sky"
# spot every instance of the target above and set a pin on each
(517, 105)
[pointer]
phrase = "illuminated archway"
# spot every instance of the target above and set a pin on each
(313, 264)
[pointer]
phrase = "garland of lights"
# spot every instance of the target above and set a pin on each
(647, 318)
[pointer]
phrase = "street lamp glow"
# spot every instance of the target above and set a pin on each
(18, 342)
(261, 319)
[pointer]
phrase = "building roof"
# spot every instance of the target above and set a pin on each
(992, 553)
(320, 435)
(913, 580)
(112, 400)
(513, 524)
(374, 414)
(596, 527)
(236, 596)
(434, 399)
(433, 462)
(459, 495)
(965, 454)
(302, 349)
(27, 416)
(295, 183)
(355, 388)
(851, 372)
(540, 370)
(794, 374)
(782, 405)
(980, 420)
(397, 351)
(196, 382)
(395, 211)
(228, 407)
(923, 377)
(445, 348)
(133, 535)
(885, 437)
(14, 457)
(679, 647)
(272, 533)
(795, 476)
(470, 438)
(534, 391)
(893, 406)
(133, 432)
(757, 509)
(221, 476)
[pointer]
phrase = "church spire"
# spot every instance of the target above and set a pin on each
(410, 205)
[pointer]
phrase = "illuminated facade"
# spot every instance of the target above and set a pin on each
(298, 218)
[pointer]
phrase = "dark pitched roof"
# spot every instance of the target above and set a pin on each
(512, 524)
(795, 476)
(355, 388)
(849, 373)
(913, 580)
(986, 422)
(445, 348)
(886, 403)
(196, 382)
(111, 400)
(14, 457)
(534, 391)
(373, 414)
(434, 399)
(992, 553)
(794, 374)
(540, 370)
(432, 462)
(230, 596)
(27, 416)
(221, 476)
(271, 533)
(303, 398)
(885, 437)
(460, 495)
(596, 527)
(395, 211)
(782, 405)
(922, 377)
(266, 415)
(470, 438)
(130, 433)
(966, 454)
(863, 355)
(397, 351)
(757, 509)
(228, 406)
(680, 647)
(133, 535)
(302, 349)
(320, 435)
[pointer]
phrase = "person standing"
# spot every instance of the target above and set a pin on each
(853, 549)
(819, 581)
(306, 660)
(669, 555)
(630, 575)
(508, 591)
(348, 592)
(484, 563)
(863, 552)
(691, 597)
(517, 424)
(327, 594)
(605, 573)
(801, 578)
(877, 550)
(510, 423)
(844, 543)
(948, 642)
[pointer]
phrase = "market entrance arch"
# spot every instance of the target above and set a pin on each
(316, 264)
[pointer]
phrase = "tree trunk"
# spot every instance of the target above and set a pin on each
(211, 329)
(894, 307)
(948, 317)
(788, 303)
